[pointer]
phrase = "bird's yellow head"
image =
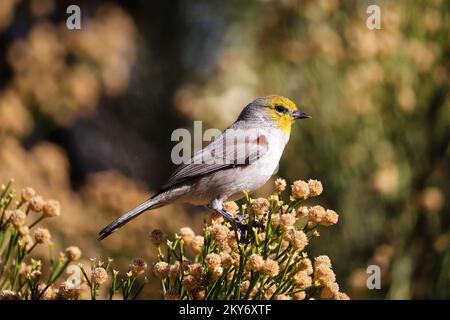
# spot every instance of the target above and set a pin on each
(275, 110)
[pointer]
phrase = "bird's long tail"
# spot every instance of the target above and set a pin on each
(149, 204)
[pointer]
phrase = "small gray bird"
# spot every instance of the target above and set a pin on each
(243, 157)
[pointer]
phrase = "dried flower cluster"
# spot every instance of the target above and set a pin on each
(266, 260)
(22, 277)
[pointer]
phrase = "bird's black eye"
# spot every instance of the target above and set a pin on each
(281, 109)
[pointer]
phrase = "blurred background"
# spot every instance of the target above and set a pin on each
(86, 117)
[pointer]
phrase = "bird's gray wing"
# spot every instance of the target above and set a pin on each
(229, 150)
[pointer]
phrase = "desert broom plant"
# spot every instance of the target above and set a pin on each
(265, 260)
(21, 276)
(24, 277)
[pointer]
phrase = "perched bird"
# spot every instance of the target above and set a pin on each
(242, 158)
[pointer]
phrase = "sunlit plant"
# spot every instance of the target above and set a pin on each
(266, 259)
(27, 278)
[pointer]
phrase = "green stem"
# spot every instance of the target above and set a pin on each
(36, 222)
(6, 188)
(32, 247)
(216, 285)
(4, 210)
(54, 275)
(138, 291)
(254, 280)
(57, 274)
(113, 289)
(12, 242)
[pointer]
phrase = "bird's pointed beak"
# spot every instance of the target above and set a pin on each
(300, 115)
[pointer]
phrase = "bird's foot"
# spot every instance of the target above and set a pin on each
(242, 217)
(237, 223)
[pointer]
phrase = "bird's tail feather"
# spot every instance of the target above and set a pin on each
(151, 203)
